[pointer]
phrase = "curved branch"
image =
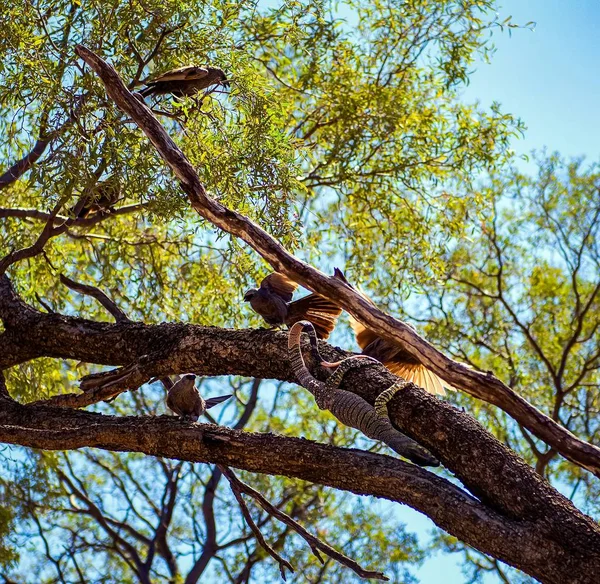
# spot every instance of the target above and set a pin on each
(480, 385)
(99, 295)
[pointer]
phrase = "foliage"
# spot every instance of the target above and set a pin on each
(344, 136)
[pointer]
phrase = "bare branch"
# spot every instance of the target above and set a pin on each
(283, 564)
(314, 542)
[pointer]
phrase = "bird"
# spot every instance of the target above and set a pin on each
(273, 301)
(397, 359)
(185, 400)
(99, 198)
(185, 81)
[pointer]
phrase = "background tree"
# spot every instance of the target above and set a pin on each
(344, 138)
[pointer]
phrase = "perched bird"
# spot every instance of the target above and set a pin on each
(273, 302)
(101, 197)
(185, 81)
(395, 357)
(185, 399)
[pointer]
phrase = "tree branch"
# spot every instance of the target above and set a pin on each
(315, 543)
(548, 548)
(60, 219)
(96, 293)
(458, 441)
(480, 385)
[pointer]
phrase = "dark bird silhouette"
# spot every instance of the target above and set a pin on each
(394, 356)
(185, 81)
(99, 198)
(185, 399)
(273, 302)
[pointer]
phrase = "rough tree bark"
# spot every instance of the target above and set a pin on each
(514, 515)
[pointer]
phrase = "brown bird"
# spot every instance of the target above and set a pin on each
(99, 198)
(185, 399)
(393, 356)
(185, 81)
(273, 302)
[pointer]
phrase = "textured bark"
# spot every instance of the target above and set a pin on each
(541, 548)
(516, 516)
(480, 385)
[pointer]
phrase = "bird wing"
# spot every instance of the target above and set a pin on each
(280, 285)
(364, 336)
(171, 405)
(188, 73)
(420, 375)
(323, 313)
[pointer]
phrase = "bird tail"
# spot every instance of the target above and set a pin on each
(421, 376)
(213, 401)
(321, 312)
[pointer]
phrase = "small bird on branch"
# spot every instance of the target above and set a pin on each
(185, 399)
(185, 81)
(99, 198)
(273, 301)
(398, 360)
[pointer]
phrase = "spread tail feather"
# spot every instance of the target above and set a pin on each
(321, 312)
(421, 376)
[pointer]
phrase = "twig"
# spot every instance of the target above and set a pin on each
(237, 486)
(48, 308)
(237, 493)
(100, 296)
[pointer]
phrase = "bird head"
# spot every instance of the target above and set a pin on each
(189, 377)
(250, 294)
(220, 76)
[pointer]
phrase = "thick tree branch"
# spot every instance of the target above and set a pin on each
(455, 438)
(480, 385)
(543, 548)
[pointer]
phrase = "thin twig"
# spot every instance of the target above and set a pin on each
(237, 492)
(315, 543)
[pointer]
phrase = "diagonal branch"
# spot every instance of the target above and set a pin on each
(481, 385)
(314, 542)
(237, 493)
(96, 293)
(19, 168)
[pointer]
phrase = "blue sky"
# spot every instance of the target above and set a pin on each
(550, 79)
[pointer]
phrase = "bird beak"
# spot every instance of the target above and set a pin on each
(248, 295)
(225, 83)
